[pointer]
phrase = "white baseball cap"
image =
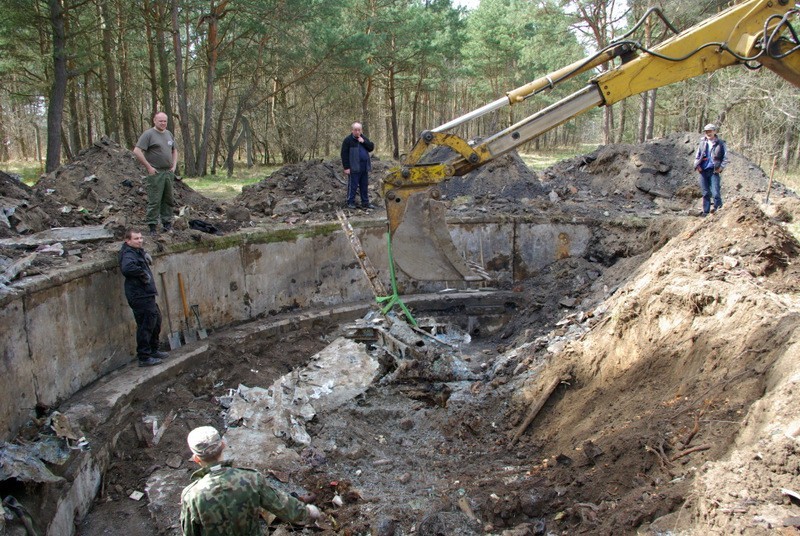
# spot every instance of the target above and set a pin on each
(204, 441)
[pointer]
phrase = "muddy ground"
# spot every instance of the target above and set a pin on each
(671, 349)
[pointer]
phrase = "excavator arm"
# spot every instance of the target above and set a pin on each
(755, 33)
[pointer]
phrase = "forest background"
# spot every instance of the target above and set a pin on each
(269, 82)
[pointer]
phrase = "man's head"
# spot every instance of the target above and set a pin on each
(710, 130)
(160, 121)
(134, 238)
(356, 130)
(206, 444)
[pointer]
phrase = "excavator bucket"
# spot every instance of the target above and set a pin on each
(421, 244)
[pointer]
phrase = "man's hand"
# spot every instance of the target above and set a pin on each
(347, 172)
(718, 170)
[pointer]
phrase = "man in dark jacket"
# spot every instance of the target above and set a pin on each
(355, 160)
(140, 291)
(709, 161)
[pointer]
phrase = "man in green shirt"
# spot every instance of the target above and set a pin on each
(156, 151)
(226, 501)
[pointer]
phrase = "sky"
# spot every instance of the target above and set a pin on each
(469, 4)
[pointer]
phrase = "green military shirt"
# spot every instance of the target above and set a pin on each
(225, 501)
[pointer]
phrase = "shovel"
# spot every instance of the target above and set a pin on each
(201, 331)
(174, 337)
(188, 334)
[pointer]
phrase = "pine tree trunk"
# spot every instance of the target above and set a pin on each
(74, 117)
(621, 130)
(111, 79)
(126, 113)
(642, 124)
(65, 145)
(608, 124)
(651, 113)
(151, 59)
(180, 90)
(393, 116)
(163, 66)
(229, 139)
(87, 106)
(218, 128)
(58, 89)
(248, 131)
(212, 52)
(4, 156)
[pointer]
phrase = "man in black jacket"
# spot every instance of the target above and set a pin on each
(140, 291)
(355, 160)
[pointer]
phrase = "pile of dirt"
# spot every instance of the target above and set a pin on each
(650, 178)
(661, 167)
(664, 385)
(105, 183)
(103, 186)
(506, 177)
(310, 190)
(23, 210)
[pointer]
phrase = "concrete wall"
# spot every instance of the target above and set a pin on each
(64, 331)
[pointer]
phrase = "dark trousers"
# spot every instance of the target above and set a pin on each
(358, 181)
(148, 325)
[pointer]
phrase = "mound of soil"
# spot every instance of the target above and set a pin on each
(23, 210)
(665, 383)
(661, 167)
(105, 183)
(310, 190)
(652, 178)
(506, 177)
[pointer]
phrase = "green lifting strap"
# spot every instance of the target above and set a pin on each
(394, 299)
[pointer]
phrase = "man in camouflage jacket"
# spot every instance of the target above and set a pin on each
(226, 501)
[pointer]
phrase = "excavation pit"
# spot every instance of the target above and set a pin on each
(135, 421)
(639, 376)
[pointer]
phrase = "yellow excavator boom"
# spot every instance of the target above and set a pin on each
(754, 33)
